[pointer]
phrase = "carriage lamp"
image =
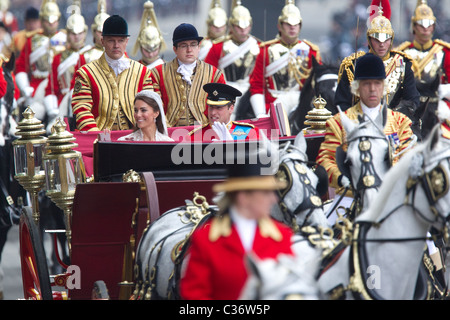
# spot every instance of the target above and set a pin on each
(64, 169)
(317, 117)
(28, 154)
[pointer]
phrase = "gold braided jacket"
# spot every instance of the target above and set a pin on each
(98, 94)
(335, 136)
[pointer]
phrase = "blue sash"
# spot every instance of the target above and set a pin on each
(240, 132)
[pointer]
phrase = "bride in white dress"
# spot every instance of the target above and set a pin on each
(150, 119)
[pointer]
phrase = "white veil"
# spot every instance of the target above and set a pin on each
(153, 95)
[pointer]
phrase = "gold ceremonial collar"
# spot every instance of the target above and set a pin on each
(424, 47)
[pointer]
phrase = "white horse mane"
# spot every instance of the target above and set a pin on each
(401, 169)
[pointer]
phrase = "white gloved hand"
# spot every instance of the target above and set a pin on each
(444, 91)
(345, 182)
(28, 91)
(258, 105)
(222, 131)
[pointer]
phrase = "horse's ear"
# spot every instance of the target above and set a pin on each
(300, 142)
(348, 124)
(314, 62)
(434, 136)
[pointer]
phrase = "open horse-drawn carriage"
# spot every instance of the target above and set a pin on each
(130, 185)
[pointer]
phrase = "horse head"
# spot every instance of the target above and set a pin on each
(284, 278)
(300, 202)
(368, 155)
(321, 82)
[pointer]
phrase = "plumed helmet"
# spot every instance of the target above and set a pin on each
(101, 16)
(4, 5)
(115, 25)
(216, 16)
(380, 27)
(423, 14)
(369, 66)
(76, 23)
(50, 11)
(240, 15)
(290, 14)
(150, 37)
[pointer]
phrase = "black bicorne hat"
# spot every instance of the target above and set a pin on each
(369, 66)
(185, 32)
(220, 94)
(115, 26)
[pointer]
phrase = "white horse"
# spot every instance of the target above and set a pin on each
(368, 158)
(385, 257)
(159, 256)
(284, 278)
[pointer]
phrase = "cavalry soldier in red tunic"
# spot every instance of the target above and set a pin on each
(236, 54)
(220, 102)
(216, 267)
(150, 41)
(59, 88)
(105, 89)
(180, 81)
(401, 92)
(431, 61)
(217, 28)
(34, 63)
(282, 65)
(97, 28)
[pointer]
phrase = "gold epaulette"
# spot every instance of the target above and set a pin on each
(196, 129)
(31, 33)
(403, 54)
(267, 43)
(221, 39)
(315, 47)
(243, 124)
(402, 46)
(347, 63)
(442, 43)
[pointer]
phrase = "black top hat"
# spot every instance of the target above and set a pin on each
(115, 26)
(220, 94)
(31, 13)
(184, 32)
(369, 66)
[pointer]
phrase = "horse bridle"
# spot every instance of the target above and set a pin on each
(310, 199)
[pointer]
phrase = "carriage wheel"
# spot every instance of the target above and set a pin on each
(35, 276)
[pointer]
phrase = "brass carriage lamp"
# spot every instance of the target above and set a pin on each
(28, 154)
(64, 169)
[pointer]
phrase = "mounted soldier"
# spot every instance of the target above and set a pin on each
(236, 54)
(34, 63)
(401, 93)
(150, 41)
(97, 28)
(431, 61)
(217, 28)
(282, 65)
(58, 92)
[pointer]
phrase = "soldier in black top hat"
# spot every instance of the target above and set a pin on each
(180, 81)
(220, 106)
(369, 86)
(103, 95)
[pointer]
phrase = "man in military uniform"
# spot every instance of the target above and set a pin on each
(59, 89)
(401, 92)
(32, 26)
(150, 41)
(221, 100)
(236, 54)
(104, 90)
(431, 61)
(97, 28)
(217, 28)
(282, 65)
(180, 81)
(34, 63)
(369, 86)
